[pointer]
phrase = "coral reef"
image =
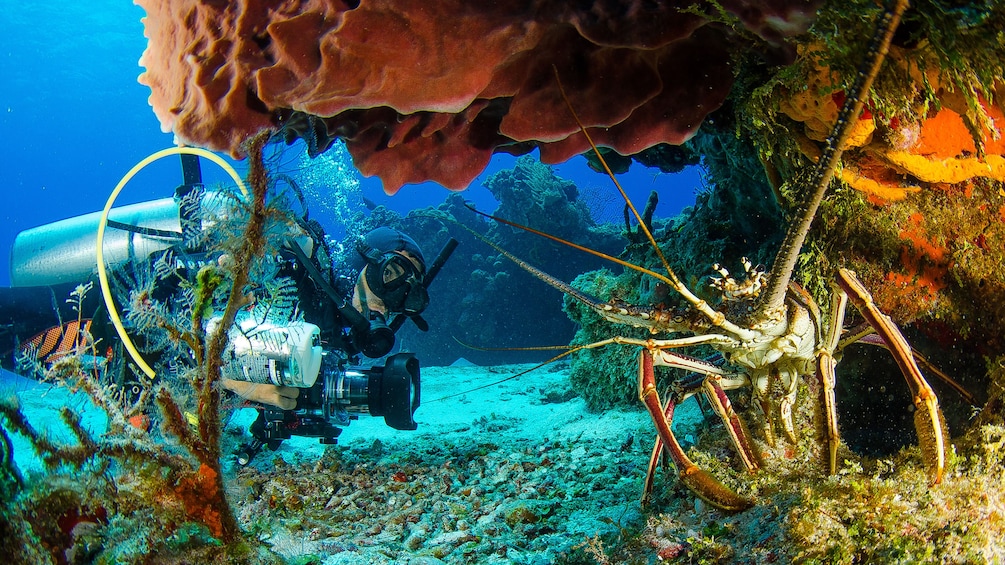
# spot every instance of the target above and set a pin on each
(219, 72)
(922, 226)
(928, 137)
(441, 88)
(931, 144)
(911, 253)
(934, 116)
(480, 297)
(665, 157)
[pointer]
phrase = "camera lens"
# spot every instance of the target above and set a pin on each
(353, 389)
(394, 391)
(391, 391)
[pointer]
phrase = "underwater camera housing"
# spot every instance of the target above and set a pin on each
(340, 393)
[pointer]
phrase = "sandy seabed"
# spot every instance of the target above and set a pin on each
(521, 472)
(516, 472)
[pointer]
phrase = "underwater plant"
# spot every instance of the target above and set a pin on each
(131, 472)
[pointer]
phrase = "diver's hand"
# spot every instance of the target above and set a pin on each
(284, 397)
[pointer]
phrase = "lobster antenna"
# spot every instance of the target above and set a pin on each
(511, 377)
(785, 261)
(610, 173)
(561, 285)
(716, 318)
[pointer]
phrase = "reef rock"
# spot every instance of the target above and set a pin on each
(485, 299)
(896, 154)
(428, 91)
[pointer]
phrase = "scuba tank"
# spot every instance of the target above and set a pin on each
(63, 251)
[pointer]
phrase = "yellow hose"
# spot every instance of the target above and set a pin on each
(106, 291)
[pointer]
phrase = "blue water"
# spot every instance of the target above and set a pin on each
(74, 120)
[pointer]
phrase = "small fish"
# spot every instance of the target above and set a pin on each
(57, 342)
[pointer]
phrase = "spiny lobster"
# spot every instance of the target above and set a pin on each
(777, 334)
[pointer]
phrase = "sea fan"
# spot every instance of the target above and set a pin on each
(151, 318)
(26, 362)
(190, 210)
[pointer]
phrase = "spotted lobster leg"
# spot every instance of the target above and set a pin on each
(930, 424)
(694, 478)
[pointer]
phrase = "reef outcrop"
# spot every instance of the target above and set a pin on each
(424, 91)
(485, 299)
(924, 223)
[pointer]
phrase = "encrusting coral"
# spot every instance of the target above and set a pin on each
(899, 154)
(923, 227)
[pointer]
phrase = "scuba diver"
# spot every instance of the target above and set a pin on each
(389, 286)
(299, 369)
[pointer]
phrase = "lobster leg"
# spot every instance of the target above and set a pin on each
(785, 413)
(713, 390)
(657, 454)
(767, 409)
(825, 374)
(710, 383)
(933, 435)
(694, 478)
(710, 380)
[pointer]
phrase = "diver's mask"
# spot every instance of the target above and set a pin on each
(394, 278)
